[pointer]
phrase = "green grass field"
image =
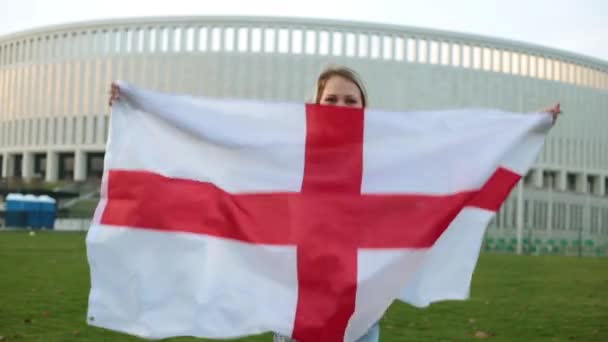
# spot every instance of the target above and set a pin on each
(44, 284)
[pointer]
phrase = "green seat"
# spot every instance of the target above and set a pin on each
(551, 242)
(525, 241)
(501, 241)
(544, 250)
(589, 243)
(511, 248)
(564, 243)
(533, 249)
(599, 251)
(576, 243)
(538, 242)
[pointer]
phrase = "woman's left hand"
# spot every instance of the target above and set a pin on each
(555, 111)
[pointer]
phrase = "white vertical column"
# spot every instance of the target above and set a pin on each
(27, 166)
(561, 180)
(80, 166)
(52, 166)
(581, 182)
(6, 169)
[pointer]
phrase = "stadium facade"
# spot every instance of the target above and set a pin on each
(54, 84)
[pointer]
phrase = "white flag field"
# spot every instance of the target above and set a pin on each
(222, 218)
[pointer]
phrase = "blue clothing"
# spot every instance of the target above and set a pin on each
(372, 335)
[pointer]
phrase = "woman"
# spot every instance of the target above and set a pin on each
(340, 86)
(336, 86)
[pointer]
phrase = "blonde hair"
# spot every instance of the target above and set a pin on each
(342, 71)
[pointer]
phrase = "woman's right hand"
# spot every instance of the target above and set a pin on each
(114, 93)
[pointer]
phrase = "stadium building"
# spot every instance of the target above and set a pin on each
(54, 85)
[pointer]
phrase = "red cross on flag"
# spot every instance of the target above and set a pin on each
(227, 218)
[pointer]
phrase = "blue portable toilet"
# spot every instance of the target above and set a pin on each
(48, 211)
(16, 215)
(32, 209)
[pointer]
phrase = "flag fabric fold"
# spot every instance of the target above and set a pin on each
(222, 218)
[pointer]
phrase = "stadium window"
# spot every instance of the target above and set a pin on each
(592, 182)
(515, 62)
(351, 50)
(29, 138)
(541, 67)
(256, 39)
(73, 130)
(177, 39)
(229, 39)
(311, 42)
(456, 55)
(55, 130)
(557, 70)
(202, 39)
(283, 41)
(83, 130)
(21, 137)
(64, 129)
(374, 47)
(523, 65)
(411, 50)
(477, 58)
(338, 43)
(297, 41)
(117, 41)
(422, 51)
(532, 67)
(571, 181)
(41, 133)
(399, 49)
(216, 39)
(486, 59)
(94, 130)
(243, 42)
(549, 69)
(363, 45)
(387, 48)
(446, 57)
(434, 52)
(549, 179)
(323, 43)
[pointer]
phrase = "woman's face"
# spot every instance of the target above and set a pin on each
(340, 91)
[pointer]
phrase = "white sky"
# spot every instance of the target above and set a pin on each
(579, 26)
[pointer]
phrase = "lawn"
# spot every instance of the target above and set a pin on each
(44, 284)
